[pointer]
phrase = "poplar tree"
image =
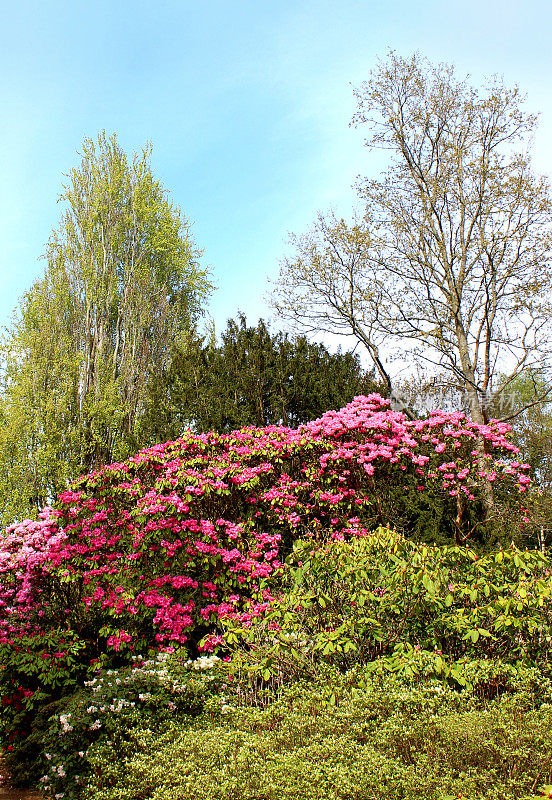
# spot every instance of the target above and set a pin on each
(122, 282)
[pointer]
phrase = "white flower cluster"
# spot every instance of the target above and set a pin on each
(203, 662)
(65, 726)
(131, 682)
(119, 705)
(224, 706)
(116, 706)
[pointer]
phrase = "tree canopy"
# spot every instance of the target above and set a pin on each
(253, 377)
(450, 258)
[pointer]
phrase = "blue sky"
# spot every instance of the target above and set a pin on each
(247, 106)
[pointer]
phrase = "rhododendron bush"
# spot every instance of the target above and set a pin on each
(180, 534)
(151, 552)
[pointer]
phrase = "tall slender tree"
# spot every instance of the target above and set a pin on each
(122, 281)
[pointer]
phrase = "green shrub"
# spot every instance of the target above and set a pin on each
(387, 739)
(423, 610)
(45, 664)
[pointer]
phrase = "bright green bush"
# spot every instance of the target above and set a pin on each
(387, 739)
(408, 608)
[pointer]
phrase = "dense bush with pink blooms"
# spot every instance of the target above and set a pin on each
(162, 545)
(152, 553)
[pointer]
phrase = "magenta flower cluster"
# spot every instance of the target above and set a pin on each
(25, 561)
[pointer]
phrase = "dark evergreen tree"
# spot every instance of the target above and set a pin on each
(253, 377)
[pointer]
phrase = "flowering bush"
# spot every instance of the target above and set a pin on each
(103, 712)
(25, 585)
(154, 552)
(171, 540)
(41, 654)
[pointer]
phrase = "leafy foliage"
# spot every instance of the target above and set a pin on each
(387, 738)
(404, 608)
